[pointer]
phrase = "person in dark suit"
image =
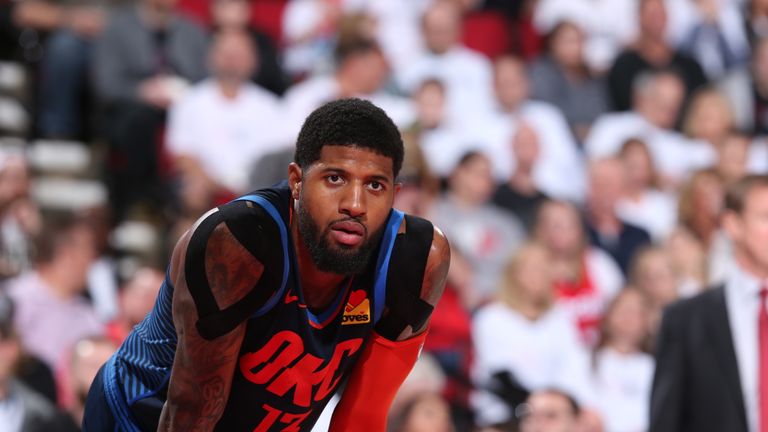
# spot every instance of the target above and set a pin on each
(712, 354)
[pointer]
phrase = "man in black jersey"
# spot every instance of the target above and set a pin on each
(273, 300)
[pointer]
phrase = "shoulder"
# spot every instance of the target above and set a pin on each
(705, 302)
(422, 233)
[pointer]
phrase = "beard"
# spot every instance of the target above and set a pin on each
(339, 259)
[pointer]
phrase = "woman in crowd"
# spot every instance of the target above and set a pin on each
(538, 347)
(622, 367)
(585, 277)
(644, 203)
(561, 77)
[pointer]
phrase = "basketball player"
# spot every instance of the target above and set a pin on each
(274, 300)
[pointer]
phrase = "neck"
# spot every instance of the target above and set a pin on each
(606, 222)
(522, 181)
(319, 287)
(654, 49)
(623, 346)
(56, 284)
(156, 18)
(634, 191)
(531, 310)
(347, 86)
(748, 265)
(229, 88)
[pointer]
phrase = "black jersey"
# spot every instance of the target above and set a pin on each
(292, 359)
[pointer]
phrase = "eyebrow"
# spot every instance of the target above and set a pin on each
(377, 177)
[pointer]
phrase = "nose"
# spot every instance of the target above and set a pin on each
(353, 202)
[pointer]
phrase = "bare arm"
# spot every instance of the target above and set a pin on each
(203, 369)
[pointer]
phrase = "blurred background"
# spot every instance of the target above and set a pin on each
(575, 152)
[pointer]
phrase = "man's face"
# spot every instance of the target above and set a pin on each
(441, 27)
(749, 229)
(233, 58)
(549, 412)
(510, 83)
(344, 200)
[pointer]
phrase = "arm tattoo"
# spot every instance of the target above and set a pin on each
(202, 370)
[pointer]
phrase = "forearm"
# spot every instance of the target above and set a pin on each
(200, 383)
(195, 407)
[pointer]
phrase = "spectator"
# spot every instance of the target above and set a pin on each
(623, 369)
(723, 329)
(562, 78)
(362, 71)
(484, 234)
(643, 203)
(63, 95)
(717, 40)
(550, 410)
(88, 355)
(700, 205)
(519, 194)
(136, 300)
(709, 117)
(585, 277)
(606, 230)
(51, 314)
(653, 274)
(756, 19)
(747, 91)
(559, 151)
(426, 412)
(442, 142)
(19, 216)
(609, 25)
(552, 354)
(21, 408)
(651, 52)
(236, 15)
(688, 259)
(732, 157)
(143, 61)
(467, 75)
(224, 124)
(309, 31)
(657, 100)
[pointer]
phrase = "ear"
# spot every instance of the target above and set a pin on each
(731, 222)
(398, 186)
(295, 175)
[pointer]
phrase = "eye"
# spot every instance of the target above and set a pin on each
(334, 179)
(376, 186)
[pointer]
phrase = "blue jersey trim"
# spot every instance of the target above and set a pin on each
(388, 242)
(266, 205)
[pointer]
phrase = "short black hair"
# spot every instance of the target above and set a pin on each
(353, 123)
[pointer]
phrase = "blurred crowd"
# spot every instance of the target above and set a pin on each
(575, 152)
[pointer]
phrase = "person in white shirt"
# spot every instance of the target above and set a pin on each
(361, 71)
(585, 277)
(226, 123)
(643, 203)
(561, 171)
(623, 369)
(657, 97)
(712, 355)
(467, 74)
(524, 337)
